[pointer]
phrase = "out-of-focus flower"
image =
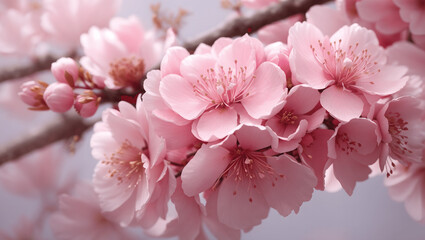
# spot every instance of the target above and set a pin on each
(66, 20)
(80, 217)
(412, 12)
(406, 185)
(122, 53)
(278, 31)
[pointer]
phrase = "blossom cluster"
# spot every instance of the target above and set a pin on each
(220, 136)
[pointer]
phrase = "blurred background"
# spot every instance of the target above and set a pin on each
(368, 214)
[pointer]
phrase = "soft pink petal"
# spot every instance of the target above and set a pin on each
(215, 124)
(341, 104)
(204, 169)
(179, 94)
(267, 89)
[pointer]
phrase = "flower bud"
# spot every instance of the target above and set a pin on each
(65, 70)
(32, 94)
(59, 97)
(86, 104)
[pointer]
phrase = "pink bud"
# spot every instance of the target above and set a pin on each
(59, 97)
(86, 104)
(65, 70)
(32, 94)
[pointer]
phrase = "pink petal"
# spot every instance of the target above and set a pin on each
(239, 208)
(341, 104)
(292, 185)
(267, 89)
(262, 138)
(204, 169)
(179, 94)
(302, 99)
(170, 64)
(215, 124)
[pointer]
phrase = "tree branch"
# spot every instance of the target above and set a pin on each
(60, 129)
(71, 126)
(39, 64)
(248, 24)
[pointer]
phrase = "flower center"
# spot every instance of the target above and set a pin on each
(396, 126)
(288, 118)
(345, 144)
(126, 164)
(223, 87)
(127, 71)
(342, 64)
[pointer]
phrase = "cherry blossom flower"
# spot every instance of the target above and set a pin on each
(351, 149)
(80, 217)
(297, 117)
(406, 185)
(132, 180)
(66, 20)
(402, 130)
(220, 87)
(121, 53)
(86, 103)
(350, 65)
(249, 180)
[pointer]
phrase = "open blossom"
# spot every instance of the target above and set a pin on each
(80, 217)
(406, 185)
(132, 180)
(121, 53)
(351, 149)
(66, 20)
(220, 89)
(248, 178)
(402, 131)
(350, 65)
(297, 117)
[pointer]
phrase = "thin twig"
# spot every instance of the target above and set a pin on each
(62, 128)
(72, 126)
